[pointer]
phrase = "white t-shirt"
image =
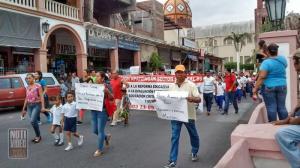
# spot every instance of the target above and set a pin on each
(220, 88)
(208, 84)
(56, 112)
(69, 110)
(240, 84)
(244, 81)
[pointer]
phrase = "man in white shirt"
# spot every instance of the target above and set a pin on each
(243, 82)
(74, 80)
(209, 87)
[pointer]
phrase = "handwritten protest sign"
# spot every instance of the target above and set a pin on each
(171, 105)
(89, 96)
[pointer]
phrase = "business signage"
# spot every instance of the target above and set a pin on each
(188, 43)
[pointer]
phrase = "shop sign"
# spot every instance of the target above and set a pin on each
(65, 49)
(188, 43)
(129, 45)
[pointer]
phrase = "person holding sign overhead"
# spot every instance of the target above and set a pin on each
(183, 84)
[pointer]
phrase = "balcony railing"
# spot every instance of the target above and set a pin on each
(60, 9)
(31, 4)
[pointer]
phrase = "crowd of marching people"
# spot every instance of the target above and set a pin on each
(64, 115)
(229, 88)
(225, 89)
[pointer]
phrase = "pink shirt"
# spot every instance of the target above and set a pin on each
(32, 93)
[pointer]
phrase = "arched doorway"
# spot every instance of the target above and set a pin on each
(64, 48)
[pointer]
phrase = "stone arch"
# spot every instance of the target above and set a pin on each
(75, 37)
(81, 56)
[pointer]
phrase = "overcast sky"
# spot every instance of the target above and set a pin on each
(207, 12)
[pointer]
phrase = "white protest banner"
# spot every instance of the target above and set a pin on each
(89, 96)
(171, 105)
(142, 88)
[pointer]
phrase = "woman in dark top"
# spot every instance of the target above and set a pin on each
(262, 53)
(39, 79)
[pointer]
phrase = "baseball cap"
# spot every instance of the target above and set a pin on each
(179, 68)
(273, 47)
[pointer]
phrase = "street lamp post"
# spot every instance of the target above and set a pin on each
(276, 12)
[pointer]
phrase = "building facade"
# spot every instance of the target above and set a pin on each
(54, 35)
(211, 39)
(260, 15)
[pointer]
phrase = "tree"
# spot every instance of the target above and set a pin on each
(239, 42)
(230, 65)
(155, 61)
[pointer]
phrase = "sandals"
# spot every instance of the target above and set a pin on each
(36, 140)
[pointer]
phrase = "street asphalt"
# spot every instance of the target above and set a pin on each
(145, 143)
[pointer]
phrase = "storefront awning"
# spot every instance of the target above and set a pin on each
(17, 30)
(102, 43)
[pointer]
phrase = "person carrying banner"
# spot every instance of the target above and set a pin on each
(116, 85)
(182, 84)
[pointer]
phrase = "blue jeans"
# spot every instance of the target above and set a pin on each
(230, 97)
(288, 139)
(274, 98)
(33, 110)
(239, 94)
(220, 100)
(194, 138)
(99, 119)
(208, 97)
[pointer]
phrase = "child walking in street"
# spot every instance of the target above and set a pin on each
(220, 93)
(70, 119)
(125, 103)
(57, 114)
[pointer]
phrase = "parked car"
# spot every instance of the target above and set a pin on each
(13, 89)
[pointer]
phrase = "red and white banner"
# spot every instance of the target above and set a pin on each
(142, 88)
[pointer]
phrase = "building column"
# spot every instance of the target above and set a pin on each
(137, 58)
(114, 59)
(79, 5)
(40, 4)
(40, 60)
(81, 61)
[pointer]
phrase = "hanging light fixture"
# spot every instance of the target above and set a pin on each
(276, 12)
(45, 27)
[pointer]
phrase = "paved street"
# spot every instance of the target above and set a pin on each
(144, 144)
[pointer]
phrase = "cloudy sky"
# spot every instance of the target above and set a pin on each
(206, 12)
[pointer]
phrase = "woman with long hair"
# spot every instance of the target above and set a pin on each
(99, 118)
(35, 104)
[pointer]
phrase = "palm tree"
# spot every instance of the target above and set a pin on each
(239, 40)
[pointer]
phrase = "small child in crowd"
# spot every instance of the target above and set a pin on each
(57, 114)
(220, 93)
(70, 119)
(125, 103)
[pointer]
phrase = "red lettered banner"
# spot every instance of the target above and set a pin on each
(142, 88)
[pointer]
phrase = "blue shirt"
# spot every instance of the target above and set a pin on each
(42, 83)
(276, 73)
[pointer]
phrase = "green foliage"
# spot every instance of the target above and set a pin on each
(267, 26)
(155, 61)
(230, 65)
(233, 65)
(239, 40)
(247, 66)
